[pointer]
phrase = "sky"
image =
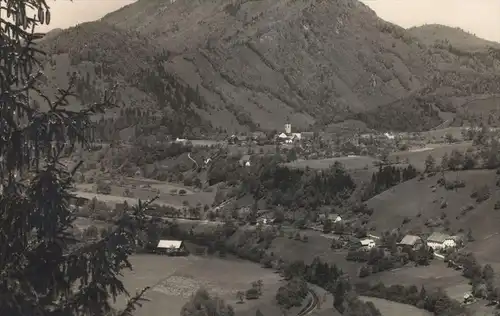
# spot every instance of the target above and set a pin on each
(481, 17)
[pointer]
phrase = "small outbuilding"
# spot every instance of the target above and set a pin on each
(367, 243)
(171, 248)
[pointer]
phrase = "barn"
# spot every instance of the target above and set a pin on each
(171, 248)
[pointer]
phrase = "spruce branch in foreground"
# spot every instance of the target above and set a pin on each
(44, 270)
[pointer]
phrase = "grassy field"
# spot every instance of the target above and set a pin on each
(175, 279)
(317, 246)
(417, 157)
(388, 308)
(422, 203)
(436, 275)
(137, 187)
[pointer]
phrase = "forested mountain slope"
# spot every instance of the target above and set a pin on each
(240, 65)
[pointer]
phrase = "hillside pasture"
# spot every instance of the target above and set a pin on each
(426, 206)
(389, 308)
(174, 279)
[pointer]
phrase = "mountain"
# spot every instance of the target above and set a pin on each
(435, 34)
(257, 64)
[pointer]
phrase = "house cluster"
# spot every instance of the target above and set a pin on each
(437, 241)
(288, 137)
(245, 139)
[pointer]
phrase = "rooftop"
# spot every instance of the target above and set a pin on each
(169, 244)
(438, 237)
(409, 240)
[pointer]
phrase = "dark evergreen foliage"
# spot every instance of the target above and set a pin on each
(44, 269)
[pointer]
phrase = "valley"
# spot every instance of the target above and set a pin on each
(249, 157)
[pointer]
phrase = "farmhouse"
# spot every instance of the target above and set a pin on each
(171, 247)
(245, 161)
(410, 242)
(367, 243)
(438, 241)
(259, 136)
(335, 218)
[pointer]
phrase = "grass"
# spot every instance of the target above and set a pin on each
(317, 246)
(417, 201)
(417, 158)
(175, 279)
(436, 275)
(388, 308)
(165, 196)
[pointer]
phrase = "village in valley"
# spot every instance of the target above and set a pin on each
(220, 185)
(247, 158)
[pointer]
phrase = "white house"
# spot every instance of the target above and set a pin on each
(367, 243)
(245, 161)
(334, 218)
(438, 241)
(171, 247)
(389, 135)
(282, 136)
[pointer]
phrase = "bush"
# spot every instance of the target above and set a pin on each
(481, 194)
(365, 271)
(103, 187)
(252, 294)
(182, 192)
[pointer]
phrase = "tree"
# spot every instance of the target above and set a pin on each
(444, 162)
(45, 270)
(203, 304)
(449, 138)
(470, 237)
(258, 285)
(488, 273)
(456, 160)
(327, 226)
(240, 295)
(430, 163)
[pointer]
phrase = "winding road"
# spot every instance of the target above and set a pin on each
(191, 158)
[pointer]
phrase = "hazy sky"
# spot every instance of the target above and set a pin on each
(481, 17)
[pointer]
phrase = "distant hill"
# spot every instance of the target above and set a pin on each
(431, 34)
(246, 65)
